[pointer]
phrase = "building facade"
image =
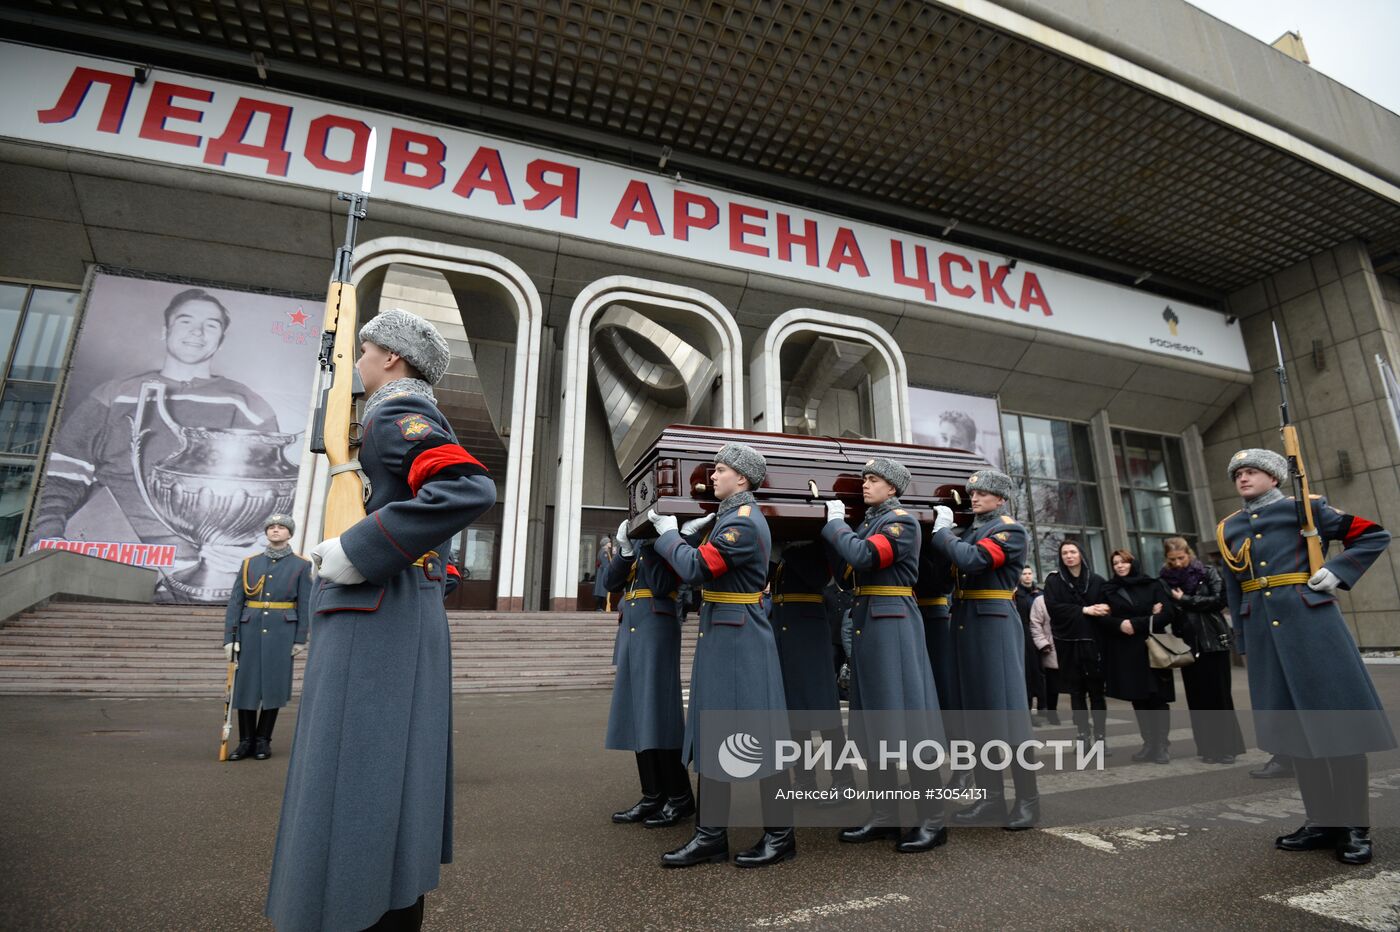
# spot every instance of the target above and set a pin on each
(1009, 227)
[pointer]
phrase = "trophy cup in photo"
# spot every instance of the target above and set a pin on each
(215, 491)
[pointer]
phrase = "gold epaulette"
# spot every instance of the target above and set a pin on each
(744, 510)
(1007, 519)
(901, 512)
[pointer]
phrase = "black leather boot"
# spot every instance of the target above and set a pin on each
(247, 731)
(991, 809)
(1309, 838)
(776, 845)
(262, 744)
(883, 823)
(675, 811)
(1354, 845)
(651, 802)
(706, 846)
(960, 781)
(1276, 767)
(1144, 753)
(1025, 813)
(927, 835)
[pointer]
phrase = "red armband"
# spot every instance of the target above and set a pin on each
(1358, 527)
(714, 560)
(883, 549)
(994, 551)
(430, 462)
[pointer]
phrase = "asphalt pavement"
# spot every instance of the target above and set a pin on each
(117, 815)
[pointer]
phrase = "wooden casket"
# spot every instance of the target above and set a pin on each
(674, 478)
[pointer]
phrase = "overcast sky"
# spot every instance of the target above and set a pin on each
(1356, 42)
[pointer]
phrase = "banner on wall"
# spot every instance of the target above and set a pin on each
(957, 420)
(61, 99)
(181, 429)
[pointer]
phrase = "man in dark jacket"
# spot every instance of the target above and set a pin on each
(1074, 599)
(1303, 662)
(265, 625)
(367, 814)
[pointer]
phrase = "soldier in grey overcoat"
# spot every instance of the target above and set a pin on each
(736, 664)
(265, 626)
(646, 716)
(990, 644)
(1313, 699)
(367, 814)
(890, 671)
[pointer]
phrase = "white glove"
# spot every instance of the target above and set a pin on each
(624, 543)
(942, 517)
(333, 565)
(298, 650)
(835, 510)
(662, 523)
(1324, 580)
(228, 652)
(696, 524)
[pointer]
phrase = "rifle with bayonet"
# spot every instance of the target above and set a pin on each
(1293, 450)
(334, 428)
(230, 681)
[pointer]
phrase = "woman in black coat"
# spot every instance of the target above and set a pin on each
(1136, 604)
(1074, 600)
(1026, 593)
(1198, 596)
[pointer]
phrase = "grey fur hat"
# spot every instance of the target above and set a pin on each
(285, 520)
(744, 460)
(887, 469)
(993, 481)
(1263, 460)
(413, 338)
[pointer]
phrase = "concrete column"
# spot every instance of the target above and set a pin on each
(1106, 469)
(1198, 478)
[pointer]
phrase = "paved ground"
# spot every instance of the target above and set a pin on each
(117, 816)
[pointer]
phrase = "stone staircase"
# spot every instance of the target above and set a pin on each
(124, 650)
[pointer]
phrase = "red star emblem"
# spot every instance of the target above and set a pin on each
(298, 318)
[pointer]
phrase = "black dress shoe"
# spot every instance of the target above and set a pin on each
(1309, 838)
(880, 826)
(1354, 845)
(1273, 770)
(645, 808)
(1225, 759)
(674, 812)
(1024, 815)
(262, 749)
(1143, 753)
(244, 749)
(925, 836)
(706, 846)
(960, 781)
(1160, 755)
(989, 811)
(776, 845)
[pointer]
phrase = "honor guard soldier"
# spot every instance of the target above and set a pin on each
(990, 644)
(646, 715)
(890, 670)
(367, 814)
(736, 665)
(1303, 663)
(805, 650)
(265, 625)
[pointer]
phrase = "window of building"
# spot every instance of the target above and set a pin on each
(1156, 495)
(35, 325)
(1051, 462)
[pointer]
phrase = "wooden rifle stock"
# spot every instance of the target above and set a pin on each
(345, 503)
(1292, 449)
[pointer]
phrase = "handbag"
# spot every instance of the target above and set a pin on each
(1167, 651)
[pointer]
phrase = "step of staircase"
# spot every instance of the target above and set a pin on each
(123, 650)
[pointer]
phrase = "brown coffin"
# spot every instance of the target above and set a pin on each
(674, 478)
